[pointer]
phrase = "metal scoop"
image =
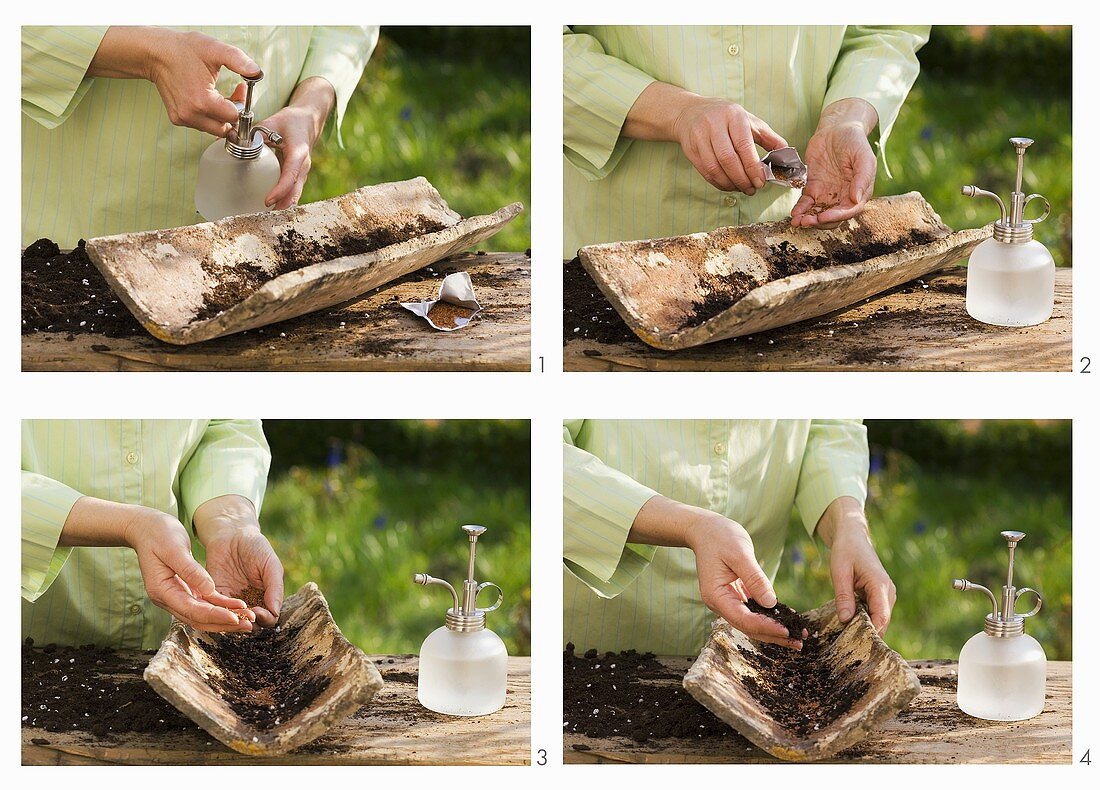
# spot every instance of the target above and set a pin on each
(785, 167)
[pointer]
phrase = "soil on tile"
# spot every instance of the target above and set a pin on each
(260, 679)
(632, 695)
(445, 315)
(295, 251)
(94, 690)
(589, 315)
(64, 292)
(803, 691)
(784, 259)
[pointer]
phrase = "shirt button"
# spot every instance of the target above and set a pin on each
(719, 448)
(135, 608)
(729, 201)
(131, 458)
(734, 50)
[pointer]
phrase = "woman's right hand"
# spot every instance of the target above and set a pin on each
(729, 576)
(175, 581)
(183, 66)
(719, 139)
(725, 562)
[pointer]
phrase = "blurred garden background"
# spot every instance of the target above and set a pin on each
(940, 494)
(359, 506)
(452, 104)
(979, 86)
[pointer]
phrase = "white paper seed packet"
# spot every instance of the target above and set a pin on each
(456, 291)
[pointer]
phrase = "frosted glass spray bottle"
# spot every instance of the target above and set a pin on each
(236, 174)
(1010, 277)
(1002, 670)
(463, 665)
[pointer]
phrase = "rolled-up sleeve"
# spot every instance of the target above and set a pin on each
(339, 55)
(879, 65)
(598, 91)
(46, 504)
(232, 457)
(834, 464)
(600, 506)
(55, 67)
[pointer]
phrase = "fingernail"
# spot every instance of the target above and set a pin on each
(758, 182)
(845, 613)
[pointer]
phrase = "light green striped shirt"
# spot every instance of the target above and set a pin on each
(619, 189)
(82, 595)
(619, 595)
(100, 155)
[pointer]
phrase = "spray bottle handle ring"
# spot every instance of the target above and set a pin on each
(500, 596)
(1038, 601)
(1046, 202)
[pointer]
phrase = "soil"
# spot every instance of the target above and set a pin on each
(64, 292)
(801, 690)
(261, 682)
(588, 314)
(93, 690)
(443, 314)
(782, 614)
(295, 251)
(632, 695)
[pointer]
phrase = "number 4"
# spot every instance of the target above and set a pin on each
(1085, 758)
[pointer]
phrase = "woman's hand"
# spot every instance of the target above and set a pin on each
(176, 582)
(184, 67)
(300, 123)
(840, 166)
(238, 556)
(854, 564)
(717, 136)
(725, 562)
(729, 576)
(173, 579)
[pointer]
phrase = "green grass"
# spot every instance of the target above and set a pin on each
(954, 131)
(361, 530)
(932, 527)
(464, 123)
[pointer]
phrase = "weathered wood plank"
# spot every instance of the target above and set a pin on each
(912, 328)
(393, 730)
(373, 333)
(931, 730)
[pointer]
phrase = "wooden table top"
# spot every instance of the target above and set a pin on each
(394, 729)
(921, 326)
(372, 333)
(931, 730)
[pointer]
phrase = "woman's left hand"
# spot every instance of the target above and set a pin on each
(840, 166)
(238, 556)
(300, 123)
(854, 564)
